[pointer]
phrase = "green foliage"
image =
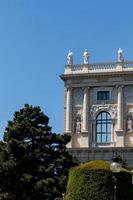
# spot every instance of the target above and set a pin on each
(93, 181)
(34, 163)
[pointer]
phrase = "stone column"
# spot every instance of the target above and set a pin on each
(120, 108)
(85, 111)
(69, 110)
(120, 132)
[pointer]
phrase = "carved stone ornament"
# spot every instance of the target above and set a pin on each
(130, 109)
(112, 109)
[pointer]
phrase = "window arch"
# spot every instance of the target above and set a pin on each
(103, 127)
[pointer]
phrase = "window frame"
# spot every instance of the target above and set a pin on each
(103, 95)
(104, 132)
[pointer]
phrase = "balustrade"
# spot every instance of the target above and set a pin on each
(98, 67)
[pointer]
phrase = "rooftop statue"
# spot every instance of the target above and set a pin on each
(70, 58)
(86, 56)
(120, 55)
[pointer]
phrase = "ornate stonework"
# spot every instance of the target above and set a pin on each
(103, 90)
(95, 109)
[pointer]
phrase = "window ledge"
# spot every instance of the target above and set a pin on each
(105, 144)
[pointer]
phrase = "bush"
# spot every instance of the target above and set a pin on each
(93, 181)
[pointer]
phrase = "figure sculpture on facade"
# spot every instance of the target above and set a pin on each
(86, 56)
(78, 126)
(70, 58)
(129, 125)
(120, 55)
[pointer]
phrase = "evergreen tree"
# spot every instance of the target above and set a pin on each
(35, 160)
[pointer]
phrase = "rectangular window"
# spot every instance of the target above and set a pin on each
(103, 95)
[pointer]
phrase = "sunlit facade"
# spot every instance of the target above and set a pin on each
(98, 106)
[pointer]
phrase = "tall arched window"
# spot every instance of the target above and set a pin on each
(103, 127)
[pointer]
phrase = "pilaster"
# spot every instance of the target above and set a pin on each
(120, 131)
(120, 108)
(69, 110)
(85, 110)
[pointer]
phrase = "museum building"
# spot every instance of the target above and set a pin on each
(98, 108)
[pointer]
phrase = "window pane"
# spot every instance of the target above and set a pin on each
(99, 116)
(108, 116)
(103, 127)
(109, 128)
(103, 137)
(98, 128)
(109, 137)
(103, 115)
(107, 96)
(98, 137)
(103, 95)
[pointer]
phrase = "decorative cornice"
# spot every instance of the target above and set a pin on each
(97, 75)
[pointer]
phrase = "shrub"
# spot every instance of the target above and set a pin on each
(93, 181)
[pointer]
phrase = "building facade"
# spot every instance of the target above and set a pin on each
(98, 108)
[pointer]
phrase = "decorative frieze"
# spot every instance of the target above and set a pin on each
(111, 108)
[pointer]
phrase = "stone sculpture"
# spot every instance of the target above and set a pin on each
(70, 58)
(129, 125)
(120, 55)
(78, 126)
(86, 56)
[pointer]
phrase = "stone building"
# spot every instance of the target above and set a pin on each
(98, 108)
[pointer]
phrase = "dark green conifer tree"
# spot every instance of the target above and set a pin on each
(35, 162)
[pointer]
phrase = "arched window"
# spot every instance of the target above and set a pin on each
(103, 127)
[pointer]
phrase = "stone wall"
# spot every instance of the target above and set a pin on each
(88, 154)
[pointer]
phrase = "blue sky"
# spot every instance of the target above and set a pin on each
(35, 36)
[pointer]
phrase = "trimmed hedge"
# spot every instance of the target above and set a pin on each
(93, 181)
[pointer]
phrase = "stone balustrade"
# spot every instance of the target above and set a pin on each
(99, 67)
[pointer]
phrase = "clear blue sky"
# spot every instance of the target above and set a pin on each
(35, 36)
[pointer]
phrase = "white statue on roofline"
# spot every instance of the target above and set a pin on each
(86, 56)
(70, 58)
(120, 55)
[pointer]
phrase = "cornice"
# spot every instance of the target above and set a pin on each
(97, 75)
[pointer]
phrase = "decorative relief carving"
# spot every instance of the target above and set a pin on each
(112, 109)
(130, 109)
(78, 96)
